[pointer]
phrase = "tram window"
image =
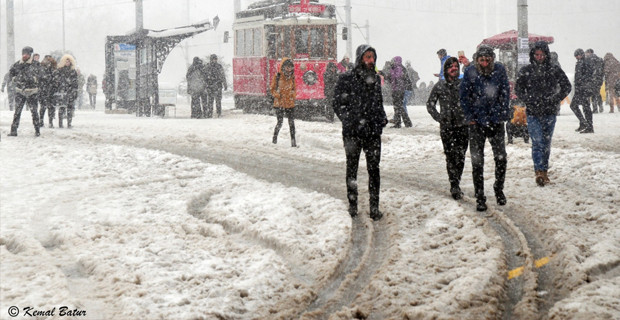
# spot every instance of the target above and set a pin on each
(239, 45)
(317, 38)
(285, 42)
(248, 44)
(331, 42)
(301, 41)
(258, 42)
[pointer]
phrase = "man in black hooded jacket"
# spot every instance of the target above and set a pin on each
(542, 86)
(584, 75)
(358, 103)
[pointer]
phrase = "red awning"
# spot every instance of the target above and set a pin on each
(508, 39)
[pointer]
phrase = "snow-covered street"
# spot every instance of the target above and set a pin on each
(127, 217)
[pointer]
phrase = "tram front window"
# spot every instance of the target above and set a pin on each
(301, 41)
(317, 38)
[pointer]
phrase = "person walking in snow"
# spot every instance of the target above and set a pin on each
(345, 64)
(358, 103)
(197, 87)
(584, 72)
(91, 88)
(47, 89)
(10, 90)
(67, 92)
(284, 91)
(330, 78)
(597, 80)
(542, 86)
(216, 80)
(453, 130)
(612, 79)
(24, 75)
(485, 97)
(399, 82)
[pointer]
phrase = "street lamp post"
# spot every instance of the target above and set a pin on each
(523, 37)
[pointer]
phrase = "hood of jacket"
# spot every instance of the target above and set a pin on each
(540, 45)
(359, 52)
(64, 59)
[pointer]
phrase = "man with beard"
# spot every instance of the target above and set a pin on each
(452, 127)
(358, 103)
(542, 86)
(485, 96)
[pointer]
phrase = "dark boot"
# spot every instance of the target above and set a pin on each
(500, 197)
(275, 139)
(293, 143)
(353, 210)
(375, 214)
(456, 193)
(36, 131)
(481, 203)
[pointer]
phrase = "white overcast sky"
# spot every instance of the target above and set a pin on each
(413, 29)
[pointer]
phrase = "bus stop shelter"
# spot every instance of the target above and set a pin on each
(133, 63)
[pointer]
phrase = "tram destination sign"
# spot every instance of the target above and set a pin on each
(305, 6)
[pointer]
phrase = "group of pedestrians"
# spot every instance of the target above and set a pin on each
(590, 73)
(48, 84)
(204, 84)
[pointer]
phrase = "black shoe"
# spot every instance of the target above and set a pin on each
(396, 126)
(275, 139)
(589, 130)
(375, 214)
(37, 133)
(581, 127)
(353, 211)
(500, 197)
(456, 193)
(12, 134)
(481, 204)
(293, 143)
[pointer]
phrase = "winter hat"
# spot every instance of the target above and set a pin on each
(27, 50)
(213, 57)
(579, 52)
(485, 51)
(590, 51)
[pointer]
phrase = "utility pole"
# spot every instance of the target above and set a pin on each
(10, 34)
(63, 26)
(139, 16)
(347, 9)
(523, 38)
(367, 32)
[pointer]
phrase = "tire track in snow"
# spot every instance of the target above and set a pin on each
(367, 250)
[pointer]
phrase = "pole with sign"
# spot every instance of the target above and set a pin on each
(523, 46)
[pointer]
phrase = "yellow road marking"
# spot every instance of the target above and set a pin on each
(519, 271)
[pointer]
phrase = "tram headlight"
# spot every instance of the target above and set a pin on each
(310, 78)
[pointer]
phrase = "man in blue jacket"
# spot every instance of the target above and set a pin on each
(485, 96)
(358, 103)
(542, 86)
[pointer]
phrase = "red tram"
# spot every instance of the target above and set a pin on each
(268, 31)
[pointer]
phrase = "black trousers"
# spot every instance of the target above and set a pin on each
(46, 104)
(20, 101)
(398, 99)
(455, 141)
(213, 94)
(478, 135)
(199, 101)
(290, 114)
(585, 119)
(353, 147)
